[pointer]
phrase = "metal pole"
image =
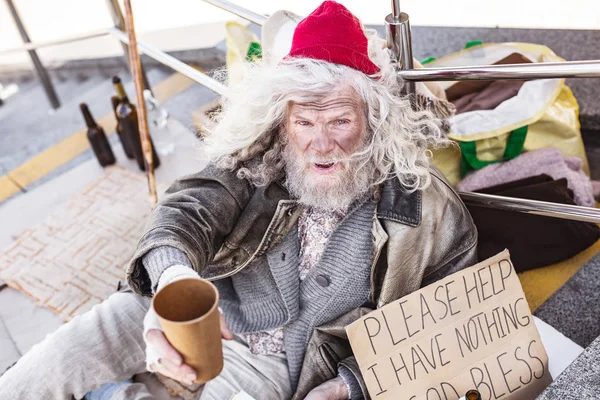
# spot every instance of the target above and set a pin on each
(117, 16)
(136, 71)
(396, 10)
(174, 63)
(239, 11)
(569, 69)
(400, 42)
(39, 67)
(556, 210)
(68, 39)
(406, 58)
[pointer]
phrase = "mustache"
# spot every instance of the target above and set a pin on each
(333, 158)
(322, 160)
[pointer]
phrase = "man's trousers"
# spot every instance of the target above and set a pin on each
(106, 345)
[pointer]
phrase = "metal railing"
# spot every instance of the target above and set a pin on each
(35, 59)
(174, 63)
(31, 48)
(248, 15)
(568, 69)
(545, 208)
(399, 40)
(64, 40)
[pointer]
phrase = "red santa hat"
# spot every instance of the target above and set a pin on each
(332, 33)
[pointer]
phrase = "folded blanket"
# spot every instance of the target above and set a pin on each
(533, 240)
(488, 98)
(548, 161)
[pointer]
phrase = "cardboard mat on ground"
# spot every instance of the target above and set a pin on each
(471, 330)
(75, 257)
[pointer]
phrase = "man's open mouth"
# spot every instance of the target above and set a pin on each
(324, 166)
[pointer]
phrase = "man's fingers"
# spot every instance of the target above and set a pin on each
(180, 370)
(225, 332)
(157, 339)
(171, 363)
(182, 373)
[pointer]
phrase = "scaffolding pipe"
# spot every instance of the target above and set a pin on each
(136, 72)
(68, 39)
(399, 39)
(35, 59)
(573, 69)
(251, 16)
(569, 69)
(114, 8)
(396, 10)
(174, 63)
(556, 210)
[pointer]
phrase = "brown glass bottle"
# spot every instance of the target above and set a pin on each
(127, 117)
(97, 138)
(125, 142)
(472, 395)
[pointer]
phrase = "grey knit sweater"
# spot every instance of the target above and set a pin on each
(268, 293)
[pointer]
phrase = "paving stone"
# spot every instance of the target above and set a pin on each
(575, 308)
(9, 352)
(26, 322)
(581, 380)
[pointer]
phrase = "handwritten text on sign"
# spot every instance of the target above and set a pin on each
(471, 330)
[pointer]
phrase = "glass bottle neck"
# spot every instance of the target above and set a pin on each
(121, 92)
(87, 116)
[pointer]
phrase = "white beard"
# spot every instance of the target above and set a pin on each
(328, 192)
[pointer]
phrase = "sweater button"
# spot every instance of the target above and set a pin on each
(322, 280)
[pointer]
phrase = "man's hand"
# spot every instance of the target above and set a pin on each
(333, 389)
(170, 362)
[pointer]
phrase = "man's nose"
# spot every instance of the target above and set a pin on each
(322, 142)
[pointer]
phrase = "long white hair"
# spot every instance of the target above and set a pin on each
(247, 137)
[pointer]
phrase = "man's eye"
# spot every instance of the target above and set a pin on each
(342, 121)
(303, 123)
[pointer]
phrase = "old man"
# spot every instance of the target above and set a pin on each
(318, 206)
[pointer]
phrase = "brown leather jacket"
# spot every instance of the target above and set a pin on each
(223, 223)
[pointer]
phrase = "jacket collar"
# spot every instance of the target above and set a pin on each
(396, 204)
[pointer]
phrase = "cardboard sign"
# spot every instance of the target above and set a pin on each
(470, 330)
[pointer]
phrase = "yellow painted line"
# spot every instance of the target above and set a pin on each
(7, 187)
(173, 85)
(539, 284)
(64, 151)
(57, 155)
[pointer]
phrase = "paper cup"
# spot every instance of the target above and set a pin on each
(188, 313)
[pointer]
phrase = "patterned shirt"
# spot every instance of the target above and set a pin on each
(315, 227)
